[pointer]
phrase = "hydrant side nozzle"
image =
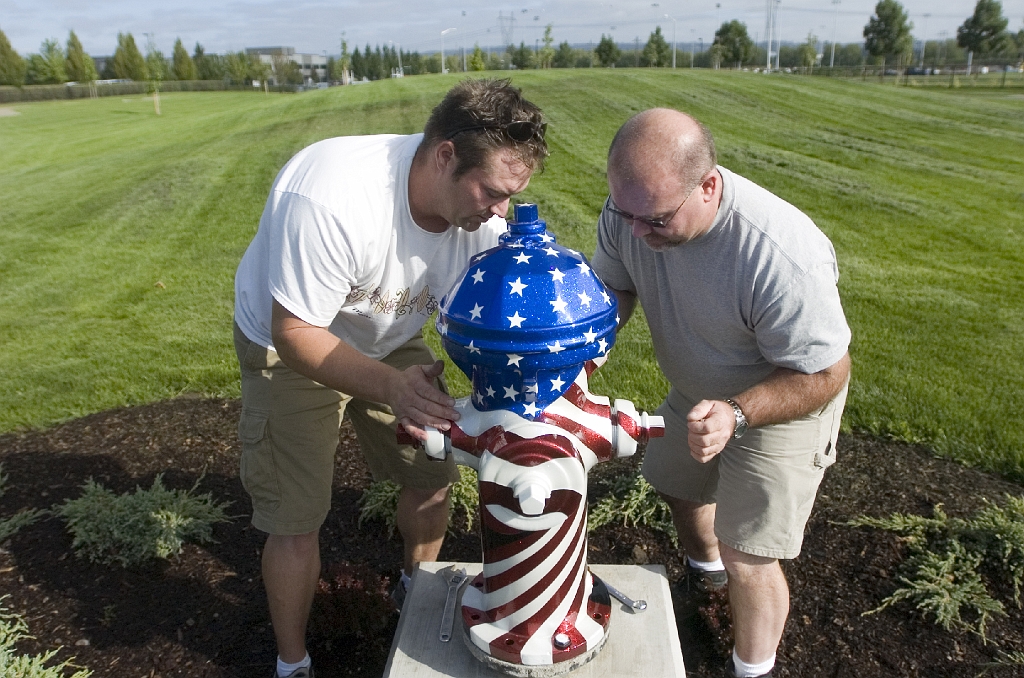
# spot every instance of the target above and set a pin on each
(438, 445)
(653, 425)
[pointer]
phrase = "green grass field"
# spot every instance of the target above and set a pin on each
(121, 232)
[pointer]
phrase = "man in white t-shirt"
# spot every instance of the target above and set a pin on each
(360, 238)
(739, 290)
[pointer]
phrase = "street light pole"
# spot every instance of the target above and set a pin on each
(673, 40)
(835, 25)
(693, 45)
(150, 48)
(443, 33)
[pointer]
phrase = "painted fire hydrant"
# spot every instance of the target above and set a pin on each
(528, 323)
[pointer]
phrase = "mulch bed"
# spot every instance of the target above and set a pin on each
(203, 614)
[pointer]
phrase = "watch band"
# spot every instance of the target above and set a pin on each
(741, 419)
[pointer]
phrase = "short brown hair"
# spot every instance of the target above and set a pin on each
(473, 116)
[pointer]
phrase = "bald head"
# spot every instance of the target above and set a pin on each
(662, 141)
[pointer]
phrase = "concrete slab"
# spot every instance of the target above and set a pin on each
(639, 645)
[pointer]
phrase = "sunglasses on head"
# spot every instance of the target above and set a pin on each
(520, 131)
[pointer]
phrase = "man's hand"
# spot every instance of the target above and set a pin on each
(710, 426)
(417, 403)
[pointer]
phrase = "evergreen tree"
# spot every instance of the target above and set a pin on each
(128, 61)
(208, 66)
(184, 66)
(78, 65)
(984, 32)
(477, 60)
(521, 57)
(565, 56)
(12, 66)
(607, 51)
(358, 67)
(737, 46)
(373, 63)
(887, 33)
(657, 52)
(47, 67)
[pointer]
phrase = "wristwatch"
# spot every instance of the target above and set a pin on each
(741, 419)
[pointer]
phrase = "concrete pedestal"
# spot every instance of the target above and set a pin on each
(640, 644)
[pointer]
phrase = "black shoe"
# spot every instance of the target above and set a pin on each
(730, 671)
(695, 586)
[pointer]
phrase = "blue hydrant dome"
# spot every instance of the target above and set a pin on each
(524, 317)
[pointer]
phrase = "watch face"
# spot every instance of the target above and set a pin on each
(741, 420)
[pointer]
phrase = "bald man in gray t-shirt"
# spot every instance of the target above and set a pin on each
(739, 290)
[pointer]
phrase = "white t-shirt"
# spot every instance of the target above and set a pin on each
(338, 247)
(758, 290)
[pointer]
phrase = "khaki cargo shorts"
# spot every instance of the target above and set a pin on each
(289, 433)
(764, 484)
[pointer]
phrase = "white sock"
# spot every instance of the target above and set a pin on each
(283, 669)
(710, 566)
(745, 670)
(406, 581)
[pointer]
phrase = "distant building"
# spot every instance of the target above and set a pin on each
(312, 66)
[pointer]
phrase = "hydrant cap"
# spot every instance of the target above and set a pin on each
(524, 317)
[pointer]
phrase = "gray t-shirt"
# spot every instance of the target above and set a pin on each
(757, 291)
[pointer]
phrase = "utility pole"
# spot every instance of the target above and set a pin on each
(673, 41)
(924, 38)
(638, 51)
(693, 45)
(835, 25)
(443, 33)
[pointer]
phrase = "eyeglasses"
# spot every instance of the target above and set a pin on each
(659, 222)
(519, 131)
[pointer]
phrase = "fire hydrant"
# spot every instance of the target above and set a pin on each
(528, 323)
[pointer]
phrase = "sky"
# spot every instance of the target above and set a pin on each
(316, 26)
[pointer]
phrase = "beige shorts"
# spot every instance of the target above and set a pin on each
(289, 433)
(764, 484)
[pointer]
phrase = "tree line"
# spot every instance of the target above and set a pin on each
(887, 39)
(56, 64)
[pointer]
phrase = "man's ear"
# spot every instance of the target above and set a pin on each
(444, 157)
(708, 186)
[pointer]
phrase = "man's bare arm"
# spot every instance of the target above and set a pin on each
(783, 396)
(627, 302)
(314, 352)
